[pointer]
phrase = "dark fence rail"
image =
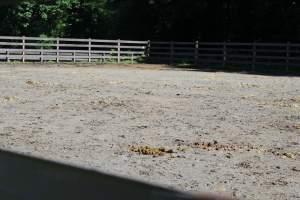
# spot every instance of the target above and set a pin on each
(253, 55)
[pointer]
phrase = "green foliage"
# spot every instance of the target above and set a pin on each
(263, 20)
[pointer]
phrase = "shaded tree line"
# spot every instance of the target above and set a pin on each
(182, 20)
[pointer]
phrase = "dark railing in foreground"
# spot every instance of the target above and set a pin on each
(253, 55)
(28, 178)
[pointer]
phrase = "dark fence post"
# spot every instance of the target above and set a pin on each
(253, 55)
(196, 52)
(224, 54)
(171, 52)
(287, 56)
(42, 55)
(148, 49)
(7, 56)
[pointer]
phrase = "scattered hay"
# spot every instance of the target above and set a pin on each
(283, 103)
(111, 101)
(247, 85)
(32, 83)
(29, 82)
(197, 87)
(244, 164)
(8, 99)
(216, 146)
(297, 126)
(146, 150)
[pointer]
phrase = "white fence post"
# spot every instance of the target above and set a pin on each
(90, 49)
(119, 50)
(23, 49)
(57, 50)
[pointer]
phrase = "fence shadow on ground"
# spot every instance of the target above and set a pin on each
(266, 71)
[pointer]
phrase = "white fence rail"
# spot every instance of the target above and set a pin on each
(74, 50)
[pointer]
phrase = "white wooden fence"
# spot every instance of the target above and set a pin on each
(65, 49)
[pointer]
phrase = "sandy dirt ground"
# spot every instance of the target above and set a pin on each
(188, 130)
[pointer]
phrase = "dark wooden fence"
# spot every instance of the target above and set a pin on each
(65, 49)
(225, 54)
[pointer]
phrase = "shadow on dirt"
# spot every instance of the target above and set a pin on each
(265, 71)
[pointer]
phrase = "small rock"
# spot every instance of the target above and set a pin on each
(289, 155)
(228, 155)
(295, 169)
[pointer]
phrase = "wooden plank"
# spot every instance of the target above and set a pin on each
(23, 49)
(272, 57)
(160, 48)
(132, 52)
(159, 42)
(89, 49)
(183, 43)
(104, 41)
(211, 49)
(287, 56)
(134, 42)
(185, 48)
(57, 50)
(184, 54)
(224, 53)
(254, 55)
(11, 37)
(119, 49)
(11, 43)
(160, 53)
(171, 52)
(42, 55)
(105, 46)
(196, 53)
(211, 43)
(41, 44)
(210, 55)
(132, 47)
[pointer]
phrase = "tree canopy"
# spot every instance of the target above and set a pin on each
(204, 20)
